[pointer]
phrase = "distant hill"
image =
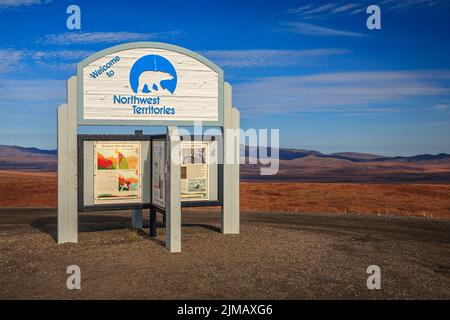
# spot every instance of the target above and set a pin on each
(20, 158)
(291, 154)
(295, 165)
(314, 166)
(356, 156)
(422, 157)
(11, 150)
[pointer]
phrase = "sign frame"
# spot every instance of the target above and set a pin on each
(81, 138)
(163, 140)
(105, 138)
(112, 196)
(207, 203)
(152, 45)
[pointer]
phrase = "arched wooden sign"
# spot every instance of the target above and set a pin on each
(146, 83)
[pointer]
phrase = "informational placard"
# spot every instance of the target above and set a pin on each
(194, 170)
(158, 172)
(149, 84)
(117, 172)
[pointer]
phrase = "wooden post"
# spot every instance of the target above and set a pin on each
(230, 209)
(67, 166)
(173, 202)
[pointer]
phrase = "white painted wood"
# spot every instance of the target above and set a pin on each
(196, 96)
(230, 208)
(62, 173)
(235, 178)
(72, 159)
(67, 167)
(173, 201)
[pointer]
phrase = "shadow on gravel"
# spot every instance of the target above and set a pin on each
(202, 225)
(91, 223)
(94, 223)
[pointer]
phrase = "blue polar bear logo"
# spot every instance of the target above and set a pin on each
(153, 79)
(153, 74)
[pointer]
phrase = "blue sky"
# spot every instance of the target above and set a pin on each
(310, 68)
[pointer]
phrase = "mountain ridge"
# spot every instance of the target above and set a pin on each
(294, 165)
(291, 154)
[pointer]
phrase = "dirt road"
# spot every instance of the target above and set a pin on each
(276, 256)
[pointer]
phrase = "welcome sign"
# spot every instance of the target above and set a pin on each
(149, 86)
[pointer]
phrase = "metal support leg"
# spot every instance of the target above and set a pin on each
(136, 219)
(153, 232)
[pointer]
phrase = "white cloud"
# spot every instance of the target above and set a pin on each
(60, 54)
(342, 92)
(442, 107)
(103, 37)
(59, 60)
(314, 30)
(10, 59)
(32, 91)
(405, 4)
(14, 59)
(316, 10)
(268, 57)
(345, 8)
(356, 11)
(320, 9)
(20, 3)
(301, 9)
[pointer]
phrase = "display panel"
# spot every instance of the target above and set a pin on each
(194, 170)
(153, 168)
(158, 172)
(117, 172)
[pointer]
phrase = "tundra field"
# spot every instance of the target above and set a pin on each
(21, 189)
(297, 241)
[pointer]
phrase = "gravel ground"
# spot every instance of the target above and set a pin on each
(276, 256)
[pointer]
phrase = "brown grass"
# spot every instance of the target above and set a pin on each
(404, 199)
(28, 189)
(36, 189)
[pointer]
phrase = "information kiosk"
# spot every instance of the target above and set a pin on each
(147, 84)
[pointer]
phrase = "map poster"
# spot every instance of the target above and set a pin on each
(194, 170)
(158, 174)
(117, 172)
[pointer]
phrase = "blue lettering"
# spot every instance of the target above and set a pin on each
(137, 110)
(94, 74)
